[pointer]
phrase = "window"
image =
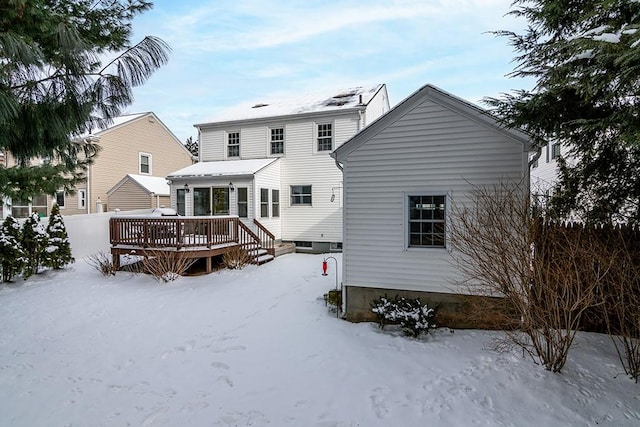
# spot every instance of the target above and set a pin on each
(233, 144)
(264, 202)
(277, 141)
(82, 199)
(300, 194)
(427, 221)
(275, 203)
(555, 151)
(60, 199)
(145, 163)
(24, 208)
(325, 137)
(181, 201)
(242, 203)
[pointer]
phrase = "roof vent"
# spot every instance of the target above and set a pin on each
(260, 105)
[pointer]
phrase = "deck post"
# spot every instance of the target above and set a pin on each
(115, 259)
(208, 265)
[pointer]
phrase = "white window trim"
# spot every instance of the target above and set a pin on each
(299, 204)
(140, 155)
(315, 137)
(284, 141)
(447, 218)
(226, 144)
(82, 198)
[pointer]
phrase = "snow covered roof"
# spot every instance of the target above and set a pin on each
(153, 184)
(336, 100)
(223, 168)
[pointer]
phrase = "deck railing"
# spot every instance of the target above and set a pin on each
(266, 238)
(177, 232)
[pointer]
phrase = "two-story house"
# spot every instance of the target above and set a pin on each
(270, 161)
(137, 152)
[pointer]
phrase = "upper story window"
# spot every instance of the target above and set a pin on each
(325, 137)
(426, 221)
(555, 151)
(145, 163)
(277, 141)
(300, 195)
(233, 144)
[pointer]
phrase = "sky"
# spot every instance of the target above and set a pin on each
(229, 52)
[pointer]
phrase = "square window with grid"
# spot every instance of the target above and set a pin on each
(277, 141)
(427, 221)
(233, 144)
(325, 137)
(300, 195)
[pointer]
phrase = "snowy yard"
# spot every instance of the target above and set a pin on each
(258, 347)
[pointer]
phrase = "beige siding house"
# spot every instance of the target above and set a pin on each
(139, 192)
(137, 144)
(401, 176)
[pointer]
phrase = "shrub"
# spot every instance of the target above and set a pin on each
(34, 242)
(413, 317)
(166, 266)
(102, 262)
(12, 256)
(57, 253)
(236, 259)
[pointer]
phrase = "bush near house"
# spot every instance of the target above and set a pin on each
(11, 253)
(34, 242)
(57, 253)
(413, 317)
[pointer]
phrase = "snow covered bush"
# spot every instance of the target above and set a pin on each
(12, 255)
(102, 262)
(413, 317)
(57, 253)
(34, 242)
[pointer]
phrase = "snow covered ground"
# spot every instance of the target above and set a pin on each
(258, 347)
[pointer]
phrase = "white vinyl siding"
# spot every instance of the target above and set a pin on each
(431, 150)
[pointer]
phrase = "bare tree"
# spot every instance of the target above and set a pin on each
(505, 251)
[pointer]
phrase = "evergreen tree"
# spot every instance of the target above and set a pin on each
(584, 56)
(55, 84)
(57, 253)
(11, 254)
(192, 146)
(34, 242)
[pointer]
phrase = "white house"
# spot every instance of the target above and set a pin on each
(401, 175)
(270, 161)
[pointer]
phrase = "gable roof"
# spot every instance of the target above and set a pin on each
(439, 96)
(223, 168)
(305, 103)
(151, 184)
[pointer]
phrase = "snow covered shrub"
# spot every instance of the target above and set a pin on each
(57, 253)
(413, 317)
(34, 242)
(166, 266)
(12, 255)
(236, 258)
(102, 262)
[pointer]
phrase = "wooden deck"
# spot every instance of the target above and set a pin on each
(193, 237)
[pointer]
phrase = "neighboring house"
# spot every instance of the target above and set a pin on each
(270, 162)
(137, 144)
(544, 170)
(139, 192)
(401, 175)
